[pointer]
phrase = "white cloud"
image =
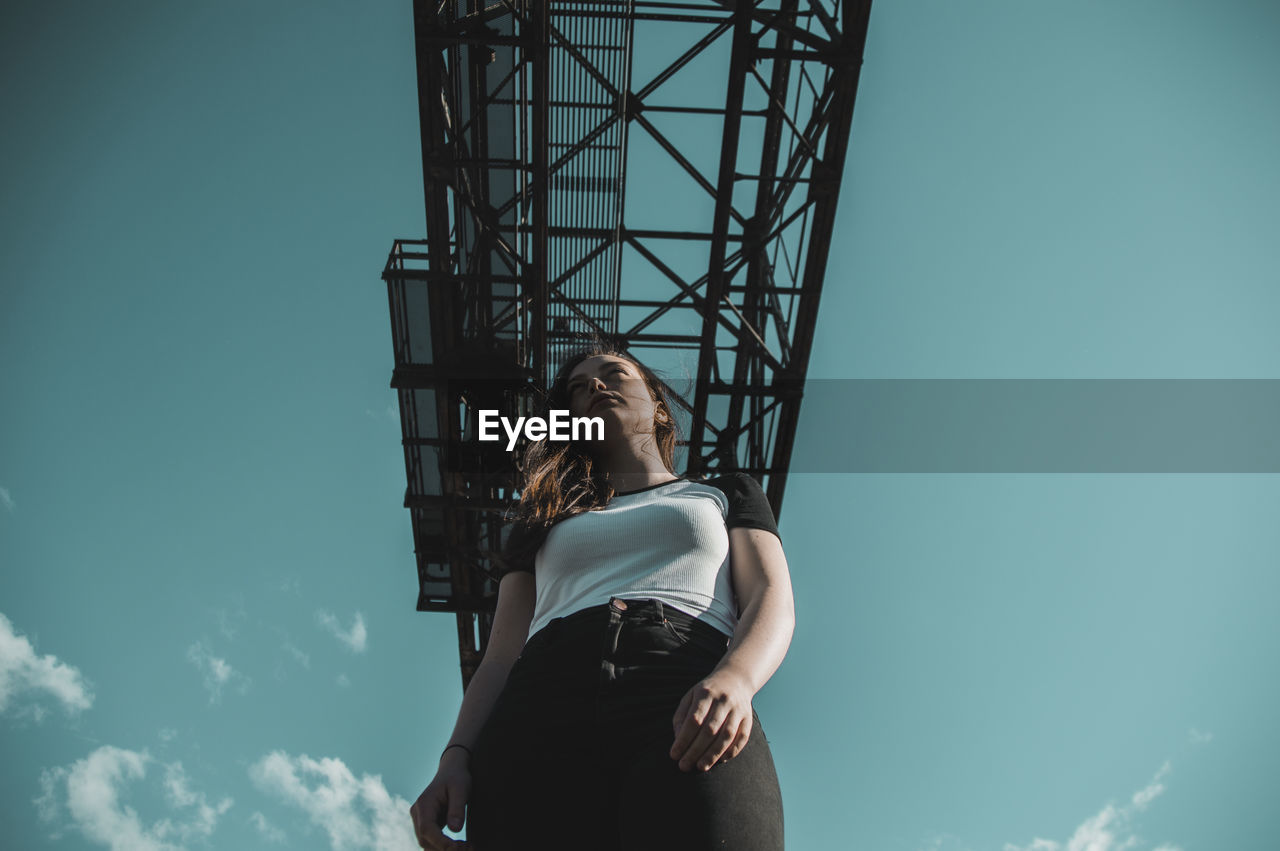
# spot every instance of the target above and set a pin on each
(266, 829)
(299, 656)
(1196, 737)
(1096, 833)
(179, 794)
(343, 680)
(391, 412)
(6, 499)
(355, 813)
(1152, 790)
(946, 842)
(89, 792)
(230, 621)
(355, 638)
(1110, 829)
(47, 805)
(217, 672)
(22, 673)
(288, 654)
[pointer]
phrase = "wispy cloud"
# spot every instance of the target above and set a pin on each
(946, 842)
(343, 680)
(1152, 790)
(23, 674)
(355, 638)
(230, 620)
(355, 813)
(1111, 828)
(179, 794)
(217, 672)
(288, 654)
(88, 793)
(391, 412)
(6, 499)
(1197, 737)
(266, 829)
(297, 654)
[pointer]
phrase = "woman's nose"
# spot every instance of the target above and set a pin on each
(595, 388)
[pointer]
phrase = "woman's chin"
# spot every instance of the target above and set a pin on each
(601, 408)
(609, 413)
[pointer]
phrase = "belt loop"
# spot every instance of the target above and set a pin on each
(662, 615)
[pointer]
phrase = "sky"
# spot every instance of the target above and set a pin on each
(207, 628)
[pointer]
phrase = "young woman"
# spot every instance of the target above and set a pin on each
(612, 709)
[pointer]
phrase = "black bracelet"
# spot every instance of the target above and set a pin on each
(464, 747)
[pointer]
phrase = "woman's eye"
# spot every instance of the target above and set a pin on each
(574, 388)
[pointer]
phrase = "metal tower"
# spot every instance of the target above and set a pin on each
(664, 174)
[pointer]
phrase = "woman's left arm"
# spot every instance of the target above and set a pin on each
(713, 720)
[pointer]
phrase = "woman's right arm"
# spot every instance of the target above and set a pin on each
(447, 793)
(510, 629)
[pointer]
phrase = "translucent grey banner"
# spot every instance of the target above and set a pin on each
(1039, 426)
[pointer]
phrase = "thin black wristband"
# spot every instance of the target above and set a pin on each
(464, 747)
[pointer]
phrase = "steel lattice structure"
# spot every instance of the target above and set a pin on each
(663, 174)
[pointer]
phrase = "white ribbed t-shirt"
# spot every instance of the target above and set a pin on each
(669, 541)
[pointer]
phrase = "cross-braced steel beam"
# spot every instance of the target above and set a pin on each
(662, 174)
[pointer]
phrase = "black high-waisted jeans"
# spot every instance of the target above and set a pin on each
(576, 753)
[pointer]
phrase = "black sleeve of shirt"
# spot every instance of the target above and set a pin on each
(519, 536)
(748, 506)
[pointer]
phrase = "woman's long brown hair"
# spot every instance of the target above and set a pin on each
(560, 479)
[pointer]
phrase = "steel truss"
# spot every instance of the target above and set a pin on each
(531, 114)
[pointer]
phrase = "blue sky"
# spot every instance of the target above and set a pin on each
(208, 636)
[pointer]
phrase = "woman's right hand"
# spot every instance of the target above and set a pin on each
(445, 797)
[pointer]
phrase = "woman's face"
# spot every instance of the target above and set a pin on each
(613, 389)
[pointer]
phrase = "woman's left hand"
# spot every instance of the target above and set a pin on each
(713, 721)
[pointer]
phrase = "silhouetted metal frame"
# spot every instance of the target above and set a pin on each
(813, 48)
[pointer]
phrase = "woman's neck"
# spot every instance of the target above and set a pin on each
(635, 473)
